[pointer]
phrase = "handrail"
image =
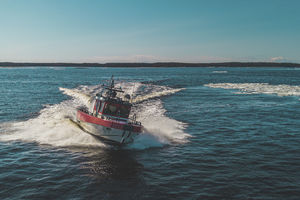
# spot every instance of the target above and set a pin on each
(133, 121)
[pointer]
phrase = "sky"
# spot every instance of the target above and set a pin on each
(149, 31)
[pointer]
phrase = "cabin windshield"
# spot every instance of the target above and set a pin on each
(116, 110)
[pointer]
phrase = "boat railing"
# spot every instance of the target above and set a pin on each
(131, 120)
(113, 118)
(136, 123)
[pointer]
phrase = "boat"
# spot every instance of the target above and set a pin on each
(109, 117)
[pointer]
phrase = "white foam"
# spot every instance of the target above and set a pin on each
(53, 125)
(259, 88)
(79, 95)
(219, 72)
(159, 129)
(155, 94)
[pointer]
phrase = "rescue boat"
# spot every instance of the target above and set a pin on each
(109, 117)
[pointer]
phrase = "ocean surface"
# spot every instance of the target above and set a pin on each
(209, 133)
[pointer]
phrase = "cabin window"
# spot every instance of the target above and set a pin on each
(110, 109)
(124, 111)
(116, 110)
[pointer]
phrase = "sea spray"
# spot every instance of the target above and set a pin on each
(53, 126)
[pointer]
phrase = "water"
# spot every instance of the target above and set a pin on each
(210, 133)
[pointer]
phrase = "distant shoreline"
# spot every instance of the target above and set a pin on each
(158, 64)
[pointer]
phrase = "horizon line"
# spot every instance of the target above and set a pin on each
(152, 65)
(163, 62)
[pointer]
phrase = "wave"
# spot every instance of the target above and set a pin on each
(220, 72)
(159, 129)
(156, 94)
(130, 88)
(259, 88)
(53, 125)
(77, 95)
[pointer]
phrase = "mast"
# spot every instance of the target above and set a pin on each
(111, 90)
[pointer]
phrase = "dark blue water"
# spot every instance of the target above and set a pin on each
(231, 133)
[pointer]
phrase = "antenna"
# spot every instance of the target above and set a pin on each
(111, 90)
(112, 82)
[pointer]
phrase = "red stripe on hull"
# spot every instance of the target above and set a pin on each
(82, 116)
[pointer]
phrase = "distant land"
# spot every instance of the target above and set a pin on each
(157, 64)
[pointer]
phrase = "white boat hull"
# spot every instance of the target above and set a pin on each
(111, 134)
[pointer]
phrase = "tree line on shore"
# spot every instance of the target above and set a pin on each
(158, 64)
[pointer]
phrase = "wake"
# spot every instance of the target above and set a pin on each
(259, 88)
(53, 126)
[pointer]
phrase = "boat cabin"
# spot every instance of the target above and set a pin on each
(111, 107)
(108, 105)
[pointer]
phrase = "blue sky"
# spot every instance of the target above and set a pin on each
(149, 30)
